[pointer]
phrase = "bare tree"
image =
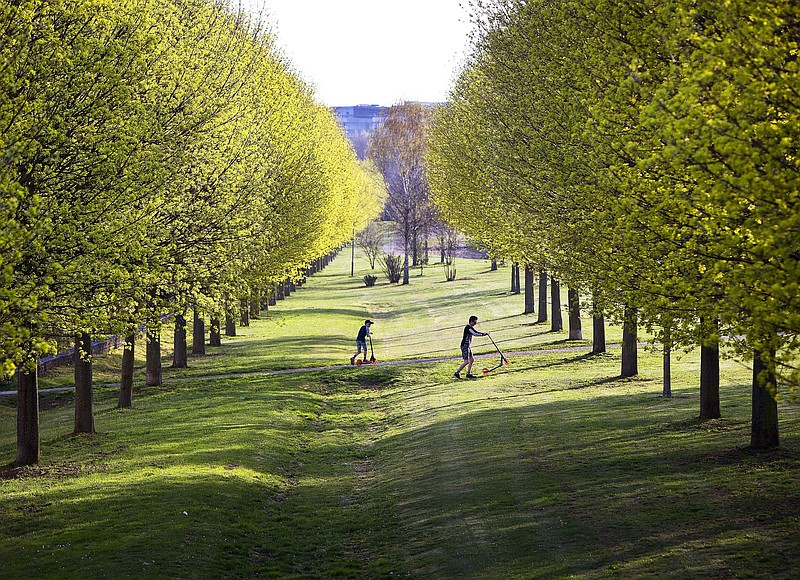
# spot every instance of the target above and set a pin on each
(397, 146)
(371, 242)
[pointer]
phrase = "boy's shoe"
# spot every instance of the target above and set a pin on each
(471, 376)
(456, 376)
(352, 360)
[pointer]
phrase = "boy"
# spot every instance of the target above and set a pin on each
(466, 348)
(361, 341)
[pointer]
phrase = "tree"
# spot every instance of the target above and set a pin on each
(79, 154)
(397, 146)
(371, 242)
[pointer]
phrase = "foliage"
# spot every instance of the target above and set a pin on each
(196, 165)
(369, 280)
(157, 156)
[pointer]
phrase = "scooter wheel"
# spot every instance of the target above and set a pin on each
(374, 362)
(358, 363)
(485, 372)
(506, 362)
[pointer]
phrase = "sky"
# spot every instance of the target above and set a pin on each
(376, 52)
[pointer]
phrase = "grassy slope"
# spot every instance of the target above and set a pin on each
(550, 467)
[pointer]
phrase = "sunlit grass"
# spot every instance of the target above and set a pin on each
(309, 329)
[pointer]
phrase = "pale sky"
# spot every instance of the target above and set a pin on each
(371, 52)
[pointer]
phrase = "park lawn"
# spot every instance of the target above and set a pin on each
(310, 328)
(212, 479)
(557, 467)
(552, 466)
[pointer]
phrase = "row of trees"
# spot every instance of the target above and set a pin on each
(646, 153)
(158, 156)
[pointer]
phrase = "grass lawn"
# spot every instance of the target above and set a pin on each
(550, 467)
(317, 325)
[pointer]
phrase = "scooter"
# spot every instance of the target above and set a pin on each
(371, 360)
(503, 359)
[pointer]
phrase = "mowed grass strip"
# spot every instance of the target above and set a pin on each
(550, 467)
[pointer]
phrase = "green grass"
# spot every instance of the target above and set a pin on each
(550, 467)
(311, 328)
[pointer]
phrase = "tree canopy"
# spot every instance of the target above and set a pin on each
(156, 154)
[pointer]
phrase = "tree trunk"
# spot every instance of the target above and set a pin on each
(198, 334)
(764, 427)
(405, 264)
(287, 288)
(542, 296)
(180, 350)
(630, 354)
(84, 396)
(279, 291)
(598, 331)
(27, 417)
(493, 267)
(574, 300)
(126, 383)
(153, 364)
(215, 336)
(709, 382)
(556, 323)
(667, 389)
(515, 285)
(230, 325)
(255, 304)
(272, 301)
(529, 306)
(244, 319)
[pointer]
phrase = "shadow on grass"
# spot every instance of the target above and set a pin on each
(304, 477)
(245, 479)
(565, 489)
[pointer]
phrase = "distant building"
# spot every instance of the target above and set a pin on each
(359, 121)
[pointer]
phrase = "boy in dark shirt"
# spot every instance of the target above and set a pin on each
(466, 347)
(361, 341)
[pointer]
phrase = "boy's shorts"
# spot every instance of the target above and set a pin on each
(465, 352)
(361, 345)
